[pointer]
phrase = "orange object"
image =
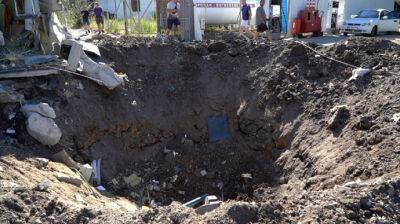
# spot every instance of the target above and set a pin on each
(297, 26)
(309, 21)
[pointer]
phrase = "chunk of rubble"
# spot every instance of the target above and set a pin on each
(210, 203)
(396, 117)
(42, 108)
(339, 118)
(68, 179)
(358, 74)
(43, 129)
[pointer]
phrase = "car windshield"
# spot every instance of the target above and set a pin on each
(368, 14)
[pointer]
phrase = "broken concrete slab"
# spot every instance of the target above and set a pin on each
(63, 157)
(43, 129)
(101, 72)
(87, 47)
(74, 56)
(8, 95)
(68, 179)
(43, 109)
(86, 171)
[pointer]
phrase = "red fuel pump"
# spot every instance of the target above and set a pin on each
(309, 21)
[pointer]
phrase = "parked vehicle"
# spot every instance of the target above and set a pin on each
(372, 21)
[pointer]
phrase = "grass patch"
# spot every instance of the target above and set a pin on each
(147, 26)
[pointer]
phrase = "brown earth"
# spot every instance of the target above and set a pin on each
(278, 99)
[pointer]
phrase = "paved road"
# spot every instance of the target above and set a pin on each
(332, 39)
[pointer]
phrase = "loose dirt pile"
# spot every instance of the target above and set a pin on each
(306, 144)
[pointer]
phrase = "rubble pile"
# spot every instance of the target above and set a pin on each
(243, 132)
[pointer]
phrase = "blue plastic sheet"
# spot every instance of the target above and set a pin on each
(218, 128)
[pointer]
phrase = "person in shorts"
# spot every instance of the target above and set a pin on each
(246, 17)
(262, 21)
(85, 20)
(98, 12)
(173, 8)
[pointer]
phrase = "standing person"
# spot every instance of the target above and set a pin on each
(98, 12)
(85, 20)
(246, 17)
(262, 21)
(173, 8)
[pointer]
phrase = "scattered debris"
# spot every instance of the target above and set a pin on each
(10, 131)
(216, 46)
(358, 74)
(195, 201)
(101, 188)
(41, 163)
(203, 173)
(396, 117)
(247, 175)
(68, 179)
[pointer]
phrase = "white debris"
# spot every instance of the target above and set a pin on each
(42, 108)
(10, 131)
(247, 175)
(203, 173)
(396, 117)
(358, 74)
(101, 188)
(86, 171)
(43, 129)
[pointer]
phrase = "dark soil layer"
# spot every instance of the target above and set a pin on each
(279, 99)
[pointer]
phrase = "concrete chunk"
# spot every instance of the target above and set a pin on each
(74, 56)
(207, 208)
(68, 179)
(43, 129)
(42, 108)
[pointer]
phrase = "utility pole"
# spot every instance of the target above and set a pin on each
(125, 18)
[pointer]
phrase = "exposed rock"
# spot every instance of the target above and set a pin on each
(68, 179)
(43, 129)
(339, 118)
(43, 109)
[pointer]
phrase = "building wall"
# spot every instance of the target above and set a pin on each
(113, 6)
(352, 7)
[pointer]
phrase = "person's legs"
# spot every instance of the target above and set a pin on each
(178, 25)
(169, 26)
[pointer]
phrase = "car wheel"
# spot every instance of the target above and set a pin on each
(345, 34)
(374, 31)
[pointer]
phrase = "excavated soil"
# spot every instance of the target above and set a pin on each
(284, 161)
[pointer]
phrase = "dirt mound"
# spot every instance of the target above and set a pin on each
(281, 162)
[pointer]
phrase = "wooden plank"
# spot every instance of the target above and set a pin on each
(26, 73)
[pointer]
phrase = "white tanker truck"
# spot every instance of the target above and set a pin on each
(219, 12)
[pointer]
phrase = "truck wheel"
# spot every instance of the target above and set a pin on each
(345, 34)
(374, 31)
